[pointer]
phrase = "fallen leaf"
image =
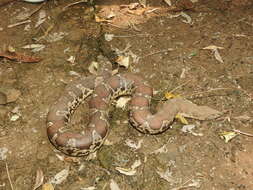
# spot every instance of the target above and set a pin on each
(168, 2)
(126, 171)
(182, 119)
(47, 186)
(20, 57)
(163, 149)
(217, 56)
(114, 185)
(88, 188)
(213, 47)
(93, 67)
(188, 19)
(109, 37)
(167, 175)
(34, 47)
(123, 61)
(71, 59)
(227, 136)
(189, 129)
(60, 177)
(129, 171)
(39, 179)
(42, 18)
(169, 95)
(134, 145)
(3, 153)
(122, 102)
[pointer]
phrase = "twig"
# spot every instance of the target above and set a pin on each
(181, 85)
(157, 52)
(75, 3)
(116, 26)
(36, 10)
(19, 23)
(208, 91)
(8, 174)
(46, 32)
(242, 133)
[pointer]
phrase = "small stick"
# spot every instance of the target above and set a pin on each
(19, 23)
(180, 86)
(242, 133)
(157, 52)
(75, 3)
(8, 174)
(36, 10)
(215, 89)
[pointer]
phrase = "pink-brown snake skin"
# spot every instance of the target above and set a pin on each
(102, 94)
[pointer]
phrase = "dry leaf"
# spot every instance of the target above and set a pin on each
(109, 37)
(167, 175)
(126, 171)
(215, 50)
(122, 102)
(93, 67)
(114, 185)
(20, 57)
(168, 2)
(189, 129)
(47, 186)
(227, 136)
(163, 149)
(133, 145)
(182, 119)
(39, 179)
(217, 56)
(169, 95)
(123, 61)
(60, 177)
(34, 47)
(129, 171)
(88, 188)
(71, 59)
(188, 19)
(213, 47)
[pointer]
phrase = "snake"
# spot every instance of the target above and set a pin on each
(102, 91)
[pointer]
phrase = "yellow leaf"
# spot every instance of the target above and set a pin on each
(47, 186)
(182, 119)
(227, 136)
(169, 95)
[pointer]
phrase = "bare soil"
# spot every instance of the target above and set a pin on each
(187, 161)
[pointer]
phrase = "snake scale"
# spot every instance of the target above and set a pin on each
(102, 94)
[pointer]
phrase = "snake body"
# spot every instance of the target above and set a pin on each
(111, 87)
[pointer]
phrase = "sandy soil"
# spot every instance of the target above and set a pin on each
(170, 56)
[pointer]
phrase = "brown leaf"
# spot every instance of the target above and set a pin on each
(20, 57)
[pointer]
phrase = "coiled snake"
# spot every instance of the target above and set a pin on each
(102, 93)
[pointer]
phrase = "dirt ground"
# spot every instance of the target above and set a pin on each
(166, 48)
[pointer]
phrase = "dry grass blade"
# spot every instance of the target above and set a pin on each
(8, 174)
(39, 179)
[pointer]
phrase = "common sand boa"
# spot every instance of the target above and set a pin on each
(111, 87)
